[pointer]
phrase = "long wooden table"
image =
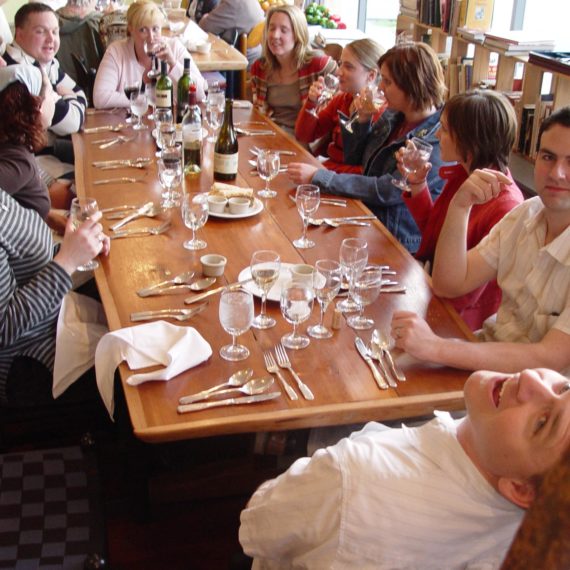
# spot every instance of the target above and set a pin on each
(343, 386)
(222, 57)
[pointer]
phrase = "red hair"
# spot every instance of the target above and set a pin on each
(20, 118)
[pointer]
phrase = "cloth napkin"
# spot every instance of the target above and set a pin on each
(80, 326)
(193, 35)
(176, 348)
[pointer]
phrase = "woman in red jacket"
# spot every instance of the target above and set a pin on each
(477, 132)
(358, 68)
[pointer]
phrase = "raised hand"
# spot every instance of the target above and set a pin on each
(481, 186)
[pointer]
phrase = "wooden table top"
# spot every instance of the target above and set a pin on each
(344, 389)
(222, 57)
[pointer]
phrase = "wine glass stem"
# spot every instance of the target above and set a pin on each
(263, 302)
(267, 184)
(323, 306)
(234, 341)
(305, 226)
(193, 235)
(294, 330)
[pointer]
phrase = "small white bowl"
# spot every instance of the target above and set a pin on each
(238, 205)
(217, 204)
(302, 273)
(204, 48)
(213, 265)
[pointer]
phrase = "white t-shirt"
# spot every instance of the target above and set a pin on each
(401, 499)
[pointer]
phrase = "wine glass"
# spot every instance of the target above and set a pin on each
(265, 266)
(151, 48)
(128, 89)
(296, 305)
(330, 88)
(353, 258)
(416, 154)
(83, 209)
(308, 197)
(215, 104)
(139, 105)
(195, 215)
(236, 316)
(163, 123)
(373, 96)
(268, 163)
(326, 284)
(364, 289)
(170, 175)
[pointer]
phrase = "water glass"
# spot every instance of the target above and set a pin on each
(265, 266)
(128, 90)
(416, 154)
(215, 105)
(236, 316)
(326, 285)
(81, 210)
(308, 198)
(151, 48)
(353, 258)
(364, 290)
(268, 164)
(195, 215)
(170, 175)
(373, 98)
(139, 105)
(330, 88)
(296, 306)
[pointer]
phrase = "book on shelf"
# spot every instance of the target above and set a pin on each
(517, 42)
(556, 61)
(526, 123)
(476, 14)
(471, 35)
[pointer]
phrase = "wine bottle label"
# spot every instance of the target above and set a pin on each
(225, 163)
(163, 98)
(191, 133)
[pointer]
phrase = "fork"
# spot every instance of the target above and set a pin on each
(272, 368)
(284, 362)
(140, 232)
(176, 314)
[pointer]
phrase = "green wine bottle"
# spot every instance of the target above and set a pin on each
(164, 88)
(192, 135)
(182, 91)
(226, 149)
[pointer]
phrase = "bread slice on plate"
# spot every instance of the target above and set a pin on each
(230, 191)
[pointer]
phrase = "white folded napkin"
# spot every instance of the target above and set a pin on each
(193, 35)
(176, 348)
(80, 325)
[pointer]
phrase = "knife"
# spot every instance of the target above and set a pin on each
(228, 402)
(382, 384)
(196, 298)
(152, 289)
(329, 201)
(103, 128)
(187, 313)
(120, 180)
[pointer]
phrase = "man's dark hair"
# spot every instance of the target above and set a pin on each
(559, 117)
(34, 8)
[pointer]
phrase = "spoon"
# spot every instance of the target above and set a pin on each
(381, 341)
(251, 388)
(238, 378)
(177, 280)
(202, 284)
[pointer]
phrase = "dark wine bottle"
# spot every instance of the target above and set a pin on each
(226, 149)
(182, 92)
(164, 88)
(192, 135)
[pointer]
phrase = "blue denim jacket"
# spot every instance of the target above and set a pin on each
(367, 146)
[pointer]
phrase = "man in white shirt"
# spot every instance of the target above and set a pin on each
(446, 495)
(528, 252)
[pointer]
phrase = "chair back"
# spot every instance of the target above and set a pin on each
(113, 27)
(334, 51)
(85, 76)
(255, 35)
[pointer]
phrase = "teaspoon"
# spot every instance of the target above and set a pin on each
(202, 284)
(251, 388)
(238, 378)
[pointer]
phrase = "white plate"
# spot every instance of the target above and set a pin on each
(275, 291)
(252, 211)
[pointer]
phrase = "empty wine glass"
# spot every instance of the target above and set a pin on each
(215, 104)
(163, 118)
(296, 305)
(268, 163)
(170, 175)
(326, 284)
(265, 266)
(128, 90)
(195, 215)
(415, 154)
(364, 290)
(83, 209)
(308, 197)
(151, 48)
(353, 258)
(373, 98)
(236, 316)
(330, 88)
(139, 105)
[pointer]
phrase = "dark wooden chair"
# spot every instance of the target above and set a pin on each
(85, 76)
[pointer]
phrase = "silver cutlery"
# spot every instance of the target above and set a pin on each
(384, 289)
(256, 150)
(333, 224)
(121, 208)
(199, 297)
(136, 214)
(103, 128)
(253, 132)
(361, 347)
(376, 354)
(120, 162)
(241, 123)
(272, 368)
(381, 340)
(327, 201)
(101, 111)
(255, 173)
(177, 280)
(120, 180)
(177, 314)
(339, 220)
(128, 164)
(238, 378)
(182, 409)
(251, 388)
(284, 362)
(141, 232)
(119, 139)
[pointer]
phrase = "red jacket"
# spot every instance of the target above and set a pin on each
(476, 306)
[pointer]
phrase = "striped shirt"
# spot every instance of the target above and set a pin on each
(405, 498)
(534, 278)
(32, 288)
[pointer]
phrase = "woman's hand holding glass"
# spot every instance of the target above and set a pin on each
(366, 104)
(326, 284)
(265, 266)
(236, 316)
(308, 198)
(296, 306)
(323, 90)
(364, 290)
(195, 215)
(413, 160)
(353, 258)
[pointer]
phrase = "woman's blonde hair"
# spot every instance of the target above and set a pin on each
(367, 52)
(144, 13)
(302, 52)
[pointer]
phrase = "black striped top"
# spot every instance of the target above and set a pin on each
(32, 288)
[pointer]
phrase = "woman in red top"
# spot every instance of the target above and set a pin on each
(358, 68)
(477, 132)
